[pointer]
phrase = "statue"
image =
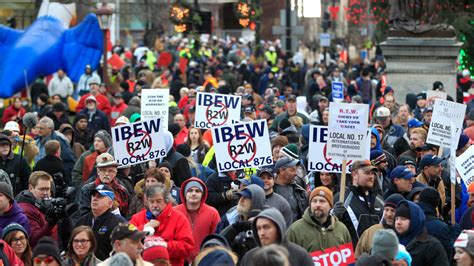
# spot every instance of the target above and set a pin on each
(416, 16)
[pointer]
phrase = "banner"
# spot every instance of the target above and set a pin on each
(342, 255)
(337, 91)
(465, 166)
(213, 109)
(155, 104)
(445, 113)
(242, 145)
(138, 142)
(348, 131)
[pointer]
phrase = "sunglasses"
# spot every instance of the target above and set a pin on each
(47, 260)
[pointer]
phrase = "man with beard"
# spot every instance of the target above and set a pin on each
(417, 139)
(160, 219)
(362, 207)
(379, 160)
(318, 229)
(365, 242)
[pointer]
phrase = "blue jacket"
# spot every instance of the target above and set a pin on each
(442, 231)
(378, 146)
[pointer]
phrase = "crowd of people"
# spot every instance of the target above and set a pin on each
(64, 199)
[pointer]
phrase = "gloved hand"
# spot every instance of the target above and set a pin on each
(242, 226)
(338, 210)
(52, 215)
(230, 194)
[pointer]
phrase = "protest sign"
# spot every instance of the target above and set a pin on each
(318, 159)
(431, 96)
(465, 166)
(242, 145)
(138, 142)
(445, 113)
(347, 131)
(155, 104)
(342, 255)
(337, 91)
(213, 109)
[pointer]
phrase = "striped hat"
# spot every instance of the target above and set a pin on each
(292, 151)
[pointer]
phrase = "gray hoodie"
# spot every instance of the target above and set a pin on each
(258, 196)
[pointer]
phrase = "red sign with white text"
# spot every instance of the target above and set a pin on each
(342, 255)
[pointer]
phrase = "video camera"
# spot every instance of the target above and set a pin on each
(62, 204)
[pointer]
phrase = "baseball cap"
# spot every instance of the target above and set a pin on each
(249, 109)
(248, 97)
(426, 147)
(267, 109)
(286, 162)
(104, 190)
(364, 165)
(382, 111)
(414, 123)
(245, 193)
(105, 159)
(126, 230)
(421, 95)
(12, 126)
(264, 170)
(401, 171)
(280, 103)
(155, 248)
(292, 97)
(122, 120)
(405, 160)
(428, 160)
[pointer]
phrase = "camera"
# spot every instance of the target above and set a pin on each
(62, 204)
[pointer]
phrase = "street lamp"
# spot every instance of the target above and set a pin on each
(104, 13)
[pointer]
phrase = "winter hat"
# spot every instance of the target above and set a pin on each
(47, 246)
(385, 243)
(403, 210)
(167, 165)
(105, 137)
(215, 256)
(184, 149)
(463, 140)
(291, 150)
(174, 129)
(192, 184)
(7, 190)
(12, 228)
(323, 192)
(466, 241)
(155, 248)
(135, 117)
(393, 200)
(406, 160)
(284, 124)
(279, 141)
(377, 157)
(372, 260)
(430, 196)
(214, 240)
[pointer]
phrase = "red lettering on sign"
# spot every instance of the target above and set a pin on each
(342, 255)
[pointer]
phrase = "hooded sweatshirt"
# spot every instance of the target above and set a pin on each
(299, 256)
(14, 215)
(203, 221)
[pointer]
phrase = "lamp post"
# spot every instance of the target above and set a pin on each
(104, 13)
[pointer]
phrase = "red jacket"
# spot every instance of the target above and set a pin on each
(10, 254)
(88, 166)
(174, 229)
(205, 220)
(116, 112)
(10, 112)
(182, 136)
(103, 103)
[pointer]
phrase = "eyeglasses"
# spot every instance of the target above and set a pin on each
(47, 260)
(17, 240)
(80, 241)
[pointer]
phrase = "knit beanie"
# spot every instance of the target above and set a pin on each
(403, 211)
(291, 150)
(430, 196)
(466, 241)
(279, 141)
(284, 123)
(12, 228)
(7, 190)
(463, 140)
(155, 248)
(215, 257)
(393, 200)
(47, 246)
(323, 192)
(105, 137)
(192, 184)
(385, 243)
(135, 117)
(377, 157)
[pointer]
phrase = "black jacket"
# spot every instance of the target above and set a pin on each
(427, 250)
(52, 165)
(301, 199)
(11, 164)
(179, 163)
(102, 227)
(217, 184)
(362, 211)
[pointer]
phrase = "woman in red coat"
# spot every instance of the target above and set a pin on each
(163, 221)
(14, 112)
(202, 217)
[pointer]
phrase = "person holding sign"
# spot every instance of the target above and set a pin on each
(362, 207)
(319, 230)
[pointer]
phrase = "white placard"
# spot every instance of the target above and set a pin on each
(347, 131)
(318, 158)
(242, 145)
(465, 166)
(325, 39)
(445, 113)
(337, 91)
(138, 142)
(155, 104)
(213, 109)
(452, 150)
(431, 96)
